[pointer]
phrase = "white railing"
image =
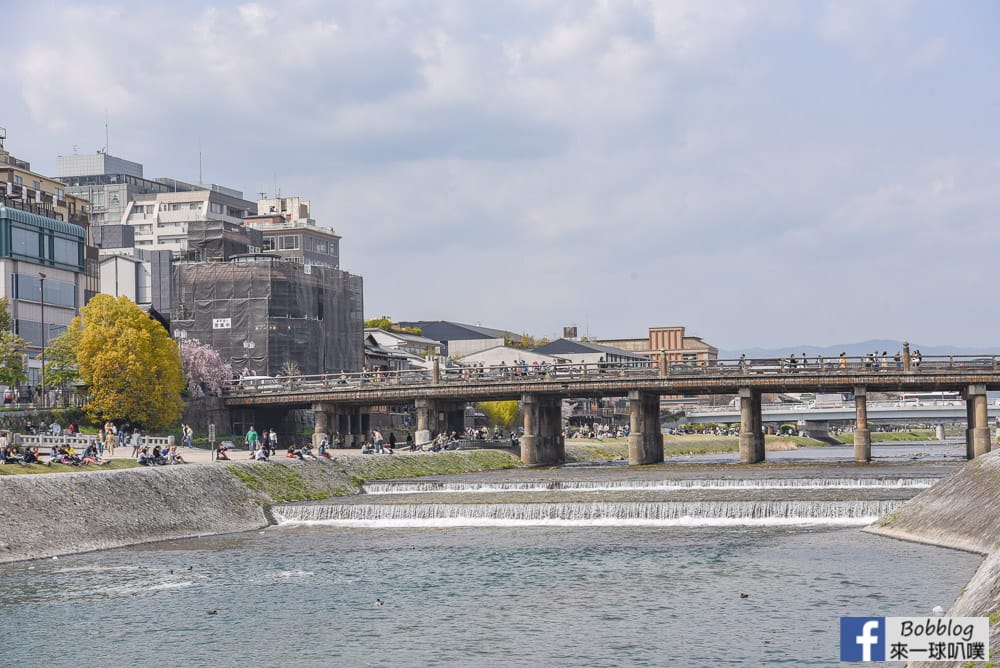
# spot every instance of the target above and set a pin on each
(81, 441)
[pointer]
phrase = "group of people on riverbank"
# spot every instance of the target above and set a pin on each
(158, 456)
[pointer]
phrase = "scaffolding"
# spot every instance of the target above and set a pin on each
(264, 313)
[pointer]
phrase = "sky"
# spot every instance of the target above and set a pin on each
(764, 173)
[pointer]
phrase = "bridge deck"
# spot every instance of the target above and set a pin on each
(581, 381)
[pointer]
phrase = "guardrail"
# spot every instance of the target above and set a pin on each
(727, 368)
(81, 441)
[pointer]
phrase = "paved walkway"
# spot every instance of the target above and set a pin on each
(202, 456)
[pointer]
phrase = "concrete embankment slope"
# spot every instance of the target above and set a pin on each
(64, 513)
(963, 512)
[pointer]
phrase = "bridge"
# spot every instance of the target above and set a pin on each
(439, 395)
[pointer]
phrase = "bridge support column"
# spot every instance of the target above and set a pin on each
(862, 437)
(321, 428)
(977, 436)
(645, 439)
(427, 421)
(939, 432)
(543, 443)
(751, 432)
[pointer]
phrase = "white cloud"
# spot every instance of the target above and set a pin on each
(530, 164)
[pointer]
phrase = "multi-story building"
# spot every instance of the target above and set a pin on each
(268, 315)
(23, 189)
(672, 341)
(290, 231)
(161, 210)
(286, 307)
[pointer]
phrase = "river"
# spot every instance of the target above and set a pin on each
(527, 588)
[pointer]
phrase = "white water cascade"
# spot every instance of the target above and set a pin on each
(423, 487)
(670, 513)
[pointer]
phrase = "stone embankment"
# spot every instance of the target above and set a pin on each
(960, 512)
(56, 514)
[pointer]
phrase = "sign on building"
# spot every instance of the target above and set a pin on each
(222, 323)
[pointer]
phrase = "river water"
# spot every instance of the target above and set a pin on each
(534, 582)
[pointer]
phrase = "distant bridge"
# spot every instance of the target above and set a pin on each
(339, 401)
(883, 411)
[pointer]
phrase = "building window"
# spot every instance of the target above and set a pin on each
(31, 330)
(36, 185)
(269, 243)
(60, 193)
(216, 208)
(18, 181)
(24, 242)
(65, 251)
(57, 293)
(290, 242)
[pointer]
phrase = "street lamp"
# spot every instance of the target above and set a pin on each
(41, 281)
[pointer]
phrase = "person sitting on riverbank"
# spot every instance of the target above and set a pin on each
(220, 453)
(367, 448)
(30, 456)
(261, 455)
(305, 452)
(91, 457)
(323, 446)
(174, 457)
(145, 459)
(292, 452)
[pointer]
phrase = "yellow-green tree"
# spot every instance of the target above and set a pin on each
(129, 363)
(61, 367)
(502, 413)
(12, 349)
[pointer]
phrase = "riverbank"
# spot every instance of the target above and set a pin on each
(611, 449)
(58, 514)
(959, 512)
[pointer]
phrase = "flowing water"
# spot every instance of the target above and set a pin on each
(608, 567)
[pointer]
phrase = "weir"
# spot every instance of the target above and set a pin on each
(432, 486)
(605, 513)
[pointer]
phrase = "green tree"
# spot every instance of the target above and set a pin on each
(6, 322)
(503, 413)
(130, 364)
(61, 367)
(12, 349)
(386, 323)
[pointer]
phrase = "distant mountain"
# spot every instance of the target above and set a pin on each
(856, 349)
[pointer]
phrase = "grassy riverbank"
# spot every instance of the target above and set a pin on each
(587, 450)
(280, 482)
(847, 438)
(27, 469)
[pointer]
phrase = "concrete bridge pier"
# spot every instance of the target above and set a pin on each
(356, 427)
(543, 443)
(321, 424)
(977, 435)
(751, 427)
(939, 432)
(427, 421)
(645, 439)
(819, 430)
(862, 437)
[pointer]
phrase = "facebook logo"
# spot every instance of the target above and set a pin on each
(862, 638)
